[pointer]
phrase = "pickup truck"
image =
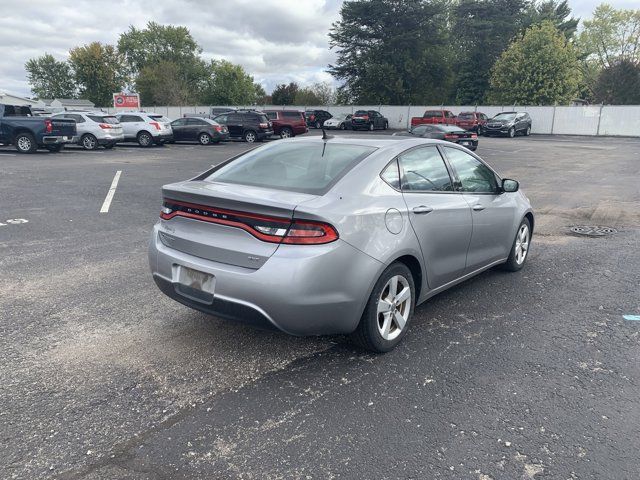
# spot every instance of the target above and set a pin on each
(435, 117)
(27, 132)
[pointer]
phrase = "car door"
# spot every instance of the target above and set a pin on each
(440, 217)
(235, 124)
(179, 126)
(130, 125)
(194, 127)
(493, 212)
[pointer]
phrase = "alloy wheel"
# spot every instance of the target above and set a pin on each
(24, 143)
(205, 139)
(89, 142)
(522, 244)
(285, 133)
(394, 307)
(250, 137)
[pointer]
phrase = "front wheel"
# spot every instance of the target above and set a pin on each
(26, 143)
(386, 125)
(371, 127)
(527, 132)
(389, 310)
(343, 126)
(520, 247)
(512, 132)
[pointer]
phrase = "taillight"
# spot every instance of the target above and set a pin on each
(267, 229)
(155, 124)
(48, 126)
(105, 126)
(450, 136)
(474, 135)
(217, 128)
(263, 125)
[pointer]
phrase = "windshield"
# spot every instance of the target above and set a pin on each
(449, 128)
(307, 167)
(505, 116)
(341, 116)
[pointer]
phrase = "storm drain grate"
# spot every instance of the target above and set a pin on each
(592, 230)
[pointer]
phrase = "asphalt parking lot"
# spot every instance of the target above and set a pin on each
(508, 376)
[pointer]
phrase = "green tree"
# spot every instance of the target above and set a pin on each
(392, 51)
(325, 93)
(306, 96)
(98, 71)
(162, 83)
(285, 94)
(483, 30)
(555, 11)
(228, 84)
(50, 78)
(541, 68)
(618, 84)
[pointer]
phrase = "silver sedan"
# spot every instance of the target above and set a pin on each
(336, 236)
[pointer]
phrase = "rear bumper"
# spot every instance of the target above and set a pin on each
(163, 137)
(58, 139)
(110, 138)
(264, 134)
(221, 137)
(300, 290)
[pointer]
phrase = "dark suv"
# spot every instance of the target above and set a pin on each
(287, 123)
(247, 125)
(509, 123)
(316, 118)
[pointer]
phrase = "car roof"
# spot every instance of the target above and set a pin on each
(381, 142)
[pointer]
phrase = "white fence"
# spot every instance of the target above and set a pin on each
(577, 120)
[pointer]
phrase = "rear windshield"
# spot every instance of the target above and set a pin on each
(159, 118)
(466, 116)
(263, 118)
(361, 112)
(307, 167)
(106, 119)
(450, 128)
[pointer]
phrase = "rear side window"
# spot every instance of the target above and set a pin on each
(391, 175)
(272, 115)
(159, 118)
(262, 119)
(106, 119)
(423, 170)
(307, 167)
(130, 118)
(292, 115)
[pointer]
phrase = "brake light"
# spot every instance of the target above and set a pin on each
(263, 125)
(155, 124)
(450, 136)
(474, 135)
(105, 126)
(265, 228)
(48, 126)
(217, 128)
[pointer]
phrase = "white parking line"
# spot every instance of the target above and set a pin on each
(111, 193)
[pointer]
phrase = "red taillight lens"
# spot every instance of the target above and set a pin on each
(450, 136)
(267, 229)
(474, 135)
(217, 128)
(264, 125)
(105, 126)
(48, 126)
(155, 124)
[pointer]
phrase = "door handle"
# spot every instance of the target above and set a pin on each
(478, 208)
(422, 209)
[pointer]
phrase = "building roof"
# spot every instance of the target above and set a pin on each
(74, 101)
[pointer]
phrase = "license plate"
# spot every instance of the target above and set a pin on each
(465, 144)
(196, 279)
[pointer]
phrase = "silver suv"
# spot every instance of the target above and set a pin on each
(145, 128)
(94, 128)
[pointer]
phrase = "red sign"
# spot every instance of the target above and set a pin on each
(126, 100)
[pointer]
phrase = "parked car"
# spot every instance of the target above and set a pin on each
(95, 128)
(435, 117)
(145, 128)
(27, 132)
(509, 123)
(316, 118)
(473, 121)
(268, 239)
(203, 130)
(449, 133)
(213, 112)
(287, 123)
(342, 121)
(247, 125)
(368, 120)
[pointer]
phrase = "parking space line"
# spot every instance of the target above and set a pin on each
(111, 193)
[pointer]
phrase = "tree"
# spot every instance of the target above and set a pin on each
(325, 93)
(50, 78)
(392, 51)
(618, 84)
(228, 84)
(483, 31)
(285, 94)
(611, 36)
(541, 68)
(163, 84)
(557, 12)
(98, 71)
(306, 96)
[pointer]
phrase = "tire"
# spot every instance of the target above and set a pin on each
(286, 132)
(527, 132)
(520, 248)
(55, 148)
(25, 143)
(89, 142)
(343, 126)
(473, 149)
(512, 132)
(371, 127)
(318, 125)
(370, 333)
(204, 138)
(386, 125)
(250, 136)
(145, 140)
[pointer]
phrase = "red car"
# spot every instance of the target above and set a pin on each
(287, 123)
(435, 117)
(473, 121)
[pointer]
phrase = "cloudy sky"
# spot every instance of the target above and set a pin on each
(274, 40)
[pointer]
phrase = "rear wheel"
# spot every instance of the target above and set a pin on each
(89, 142)
(25, 143)
(527, 132)
(389, 310)
(318, 125)
(144, 139)
(55, 148)
(386, 125)
(250, 136)
(286, 132)
(204, 138)
(371, 127)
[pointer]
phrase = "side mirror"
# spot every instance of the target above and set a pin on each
(509, 185)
